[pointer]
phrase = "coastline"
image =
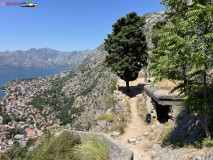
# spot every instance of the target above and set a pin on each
(19, 96)
(26, 74)
(3, 94)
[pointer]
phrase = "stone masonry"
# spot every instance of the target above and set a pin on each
(116, 150)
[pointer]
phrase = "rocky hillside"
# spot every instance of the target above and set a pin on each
(41, 58)
(92, 81)
(151, 20)
(90, 86)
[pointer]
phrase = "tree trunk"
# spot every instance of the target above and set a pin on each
(204, 122)
(127, 86)
(206, 117)
(205, 86)
(206, 128)
(145, 77)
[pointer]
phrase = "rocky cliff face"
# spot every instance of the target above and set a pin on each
(90, 86)
(42, 58)
(151, 20)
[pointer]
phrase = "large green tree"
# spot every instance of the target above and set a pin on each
(126, 47)
(184, 53)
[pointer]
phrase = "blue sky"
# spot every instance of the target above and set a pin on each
(65, 25)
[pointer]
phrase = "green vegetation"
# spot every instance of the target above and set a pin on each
(14, 132)
(57, 100)
(79, 127)
(89, 89)
(165, 136)
(93, 148)
(119, 128)
(118, 121)
(6, 117)
(126, 47)
(107, 116)
(208, 142)
(184, 51)
(156, 31)
(110, 98)
(54, 148)
(112, 87)
(142, 109)
(16, 151)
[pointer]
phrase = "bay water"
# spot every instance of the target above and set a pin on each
(15, 73)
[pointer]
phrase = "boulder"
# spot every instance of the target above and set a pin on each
(187, 128)
(153, 127)
(114, 134)
(132, 140)
(146, 134)
(208, 157)
(156, 148)
(139, 138)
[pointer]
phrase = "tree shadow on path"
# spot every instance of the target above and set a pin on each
(134, 90)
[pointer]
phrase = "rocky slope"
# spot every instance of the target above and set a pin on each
(151, 20)
(90, 86)
(92, 81)
(41, 58)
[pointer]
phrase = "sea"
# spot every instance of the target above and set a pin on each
(14, 73)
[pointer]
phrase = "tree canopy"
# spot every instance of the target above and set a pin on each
(184, 52)
(126, 47)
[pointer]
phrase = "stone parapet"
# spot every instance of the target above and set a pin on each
(163, 97)
(117, 151)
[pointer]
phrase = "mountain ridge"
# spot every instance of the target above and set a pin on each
(42, 58)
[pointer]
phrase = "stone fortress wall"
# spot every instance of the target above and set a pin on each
(117, 151)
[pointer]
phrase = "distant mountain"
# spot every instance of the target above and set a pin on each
(42, 58)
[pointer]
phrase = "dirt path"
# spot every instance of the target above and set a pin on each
(136, 127)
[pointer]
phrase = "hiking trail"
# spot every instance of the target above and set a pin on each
(135, 127)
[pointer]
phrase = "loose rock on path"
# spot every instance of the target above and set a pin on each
(134, 133)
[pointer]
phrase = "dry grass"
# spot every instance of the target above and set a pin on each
(167, 84)
(111, 117)
(142, 109)
(93, 148)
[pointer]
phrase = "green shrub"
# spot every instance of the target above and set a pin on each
(165, 136)
(120, 128)
(93, 148)
(107, 116)
(142, 109)
(208, 142)
(54, 148)
(112, 86)
(89, 89)
(110, 101)
(79, 127)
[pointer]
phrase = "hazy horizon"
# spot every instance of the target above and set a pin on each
(65, 26)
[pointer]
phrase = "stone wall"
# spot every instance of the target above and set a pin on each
(116, 150)
(162, 97)
(121, 105)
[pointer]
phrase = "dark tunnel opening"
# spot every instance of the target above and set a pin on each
(162, 112)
